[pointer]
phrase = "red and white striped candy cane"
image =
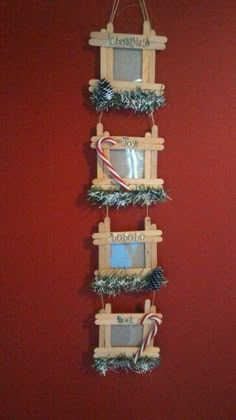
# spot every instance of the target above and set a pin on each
(100, 153)
(157, 320)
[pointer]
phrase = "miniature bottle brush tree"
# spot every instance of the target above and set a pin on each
(126, 175)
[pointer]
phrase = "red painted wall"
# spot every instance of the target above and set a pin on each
(47, 258)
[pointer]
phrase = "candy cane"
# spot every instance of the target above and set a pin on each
(153, 331)
(106, 161)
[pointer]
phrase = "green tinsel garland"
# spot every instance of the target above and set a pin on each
(114, 283)
(121, 198)
(143, 365)
(138, 100)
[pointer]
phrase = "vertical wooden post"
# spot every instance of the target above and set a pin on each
(104, 250)
(110, 53)
(147, 308)
(100, 165)
(153, 310)
(147, 160)
(153, 250)
(148, 245)
(101, 337)
(108, 327)
(154, 154)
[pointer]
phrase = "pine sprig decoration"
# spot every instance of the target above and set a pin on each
(144, 364)
(114, 283)
(137, 100)
(116, 197)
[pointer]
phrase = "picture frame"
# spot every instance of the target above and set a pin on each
(120, 338)
(122, 54)
(127, 261)
(131, 150)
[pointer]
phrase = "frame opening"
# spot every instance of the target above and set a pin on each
(127, 64)
(127, 255)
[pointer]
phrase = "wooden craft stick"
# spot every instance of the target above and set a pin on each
(158, 182)
(128, 236)
(148, 245)
(101, 336)
(127, 351)
(107, 327)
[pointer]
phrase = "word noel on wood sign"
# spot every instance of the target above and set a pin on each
(126, 175)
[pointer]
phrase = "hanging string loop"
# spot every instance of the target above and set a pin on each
(141, 3)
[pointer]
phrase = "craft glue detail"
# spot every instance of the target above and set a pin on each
(107, 163)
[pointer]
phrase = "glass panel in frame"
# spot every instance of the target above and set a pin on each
(126, 335)
(129, 163)
(127, 255)
(127, 64)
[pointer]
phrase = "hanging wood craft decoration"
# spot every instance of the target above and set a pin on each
(126, 341)
(126, 174)
(127, 169)
(127, 261)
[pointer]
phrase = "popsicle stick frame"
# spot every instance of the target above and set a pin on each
(135, 159)
(127, 61)
(148, 146)
(120, 338)
(127, 261)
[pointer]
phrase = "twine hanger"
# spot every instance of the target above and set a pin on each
(141, 3)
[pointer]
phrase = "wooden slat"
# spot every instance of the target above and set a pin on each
(113, 319)
(148, 245)
(156, 239)
(146, 28)
(107, 250)
(110, 61)
(100, 164)
(107, 182)
(142, 140)
(104, 249)
(102, 263)
(139, 271)
(103, 35)
(127, 351)
(110, 28)
(151, 66)
(145, 66)
(108, 327)
(152, 310)
(134, 233)
(147, 166)
(159, 46)
(101, 336)
(147, 308)
(124, 85)
(154, 155)
(153, 250)
(103, 63)
(140, 146)
(132, 185)
(145, 54)
(99, 130)
(155, 131)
